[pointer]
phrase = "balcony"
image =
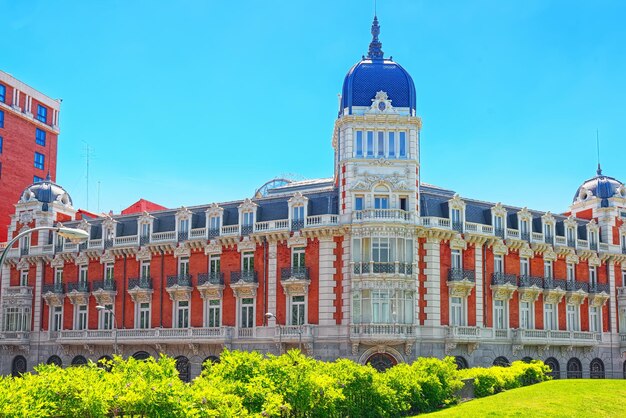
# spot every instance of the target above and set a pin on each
(213, 233)
(462, 334)
(57, 288)
(598, 294)
(179, 287)
(549, 239)
(294, 333)
(457, 226)
(461, 282)
(247, 229)
(143, 336)
(15, 337)
(78, 292)
(373, 267)
(297, 224)
(25, 292)
(181, 280)
(542, 337)
(295, 280)
(529, 287)
(294, 273)
(498, 279)
(381, 215)
(244, 283)
(576, 291)
(498, 232)
(140, 289)
(104, 291)
(382, 332)
(107, 285)
(211, 285)
(53, 294)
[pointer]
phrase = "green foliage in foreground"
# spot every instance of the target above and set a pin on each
(488, 381)
(244, 384)
(556, 398)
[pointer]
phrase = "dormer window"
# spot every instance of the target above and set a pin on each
(392, 144)
(247, 223)
(498, 226)
(571, 272)
(593, 240)
(402, 145)
(297, 217)
(593, 277)
(214, 226)
(548, 232)
(247, 216)
(370, 143)
(524, 230)
(457, 224)
(145, 230)
(358, 144)
(381, 144)
(571, 237)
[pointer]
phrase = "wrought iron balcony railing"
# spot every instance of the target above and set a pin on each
(214, 277)
(457, 275)
(179, 280)
(248, 276)
(573, 286)
(24, 251)
(183, 236)
(247, 229)
(599, 288)
(107, 284)
(499, 278)
(457, 226)
(297, 224)
(529, 281)
(593, 246)
(298, 273)
(80, 286)
(549, 239)
(54, 288)
(214, 232)
(144, 239)
(550, 283)
(141, 283)
(571, 243)
(524, 236)
(382, 268)
(498, 232)
(108, 243)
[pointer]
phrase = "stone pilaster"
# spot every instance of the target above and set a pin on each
(433, 283)
(478, 258)
(271, 278)
(613, 293)
(326, 281)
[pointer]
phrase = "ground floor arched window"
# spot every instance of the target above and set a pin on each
(527, 359)
(182, 365)
(19, 366)
(210, 359)
(501, 361)
(79, 361)
(554, 366)
(461, 363)
(381, 361)
(141, 355)
(574, 369)
(56, 360)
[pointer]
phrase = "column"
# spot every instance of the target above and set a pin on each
(613, 293)
(346, 293)
(326, 281)
(37, 325)
(271, 278)
(478, 257)
(433, 283)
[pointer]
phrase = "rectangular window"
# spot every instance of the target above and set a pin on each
(381, 202)
(402, 145)
(58, 275)
(57, 318)
(403, 204)
(526, 315)
(42, 113)
(1, 119)
(392, 144)
(594, 319)
(549, 316)
(524, 267)
(24, 278)
(370, 144)
(106, 317)
(547, 270)
(40, 160)
(37, 179)
(183, 226)
(1, 143)
(109, 272)
(214, 223)
(456, 216)
(144, 270)
(183, 266)
(81, 317)
(573, 323)
(40, 137)
(547, 230)
(457, 260)
(571, 272)
(358, 203)
(247, 261)
(82, 274)
(499, 314)
(593, 276)
(380, 250)
(297, 310)
(248, 218)
(3, 93)
(16, 319)
(213, 313)
(297, 213)
(297, 257)
(359, 144)
(498, 264)
(182, 314)
(456, 312)
(524, 228)
(381, 144)
(380, 306)
(214, 264)
(143, 315)
(247, 313)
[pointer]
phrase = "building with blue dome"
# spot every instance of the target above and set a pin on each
(369, 264)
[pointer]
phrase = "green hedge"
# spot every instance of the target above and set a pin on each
(488, 381)
(247, 384)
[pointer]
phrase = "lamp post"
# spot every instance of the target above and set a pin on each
(105, 309)
(270, 315)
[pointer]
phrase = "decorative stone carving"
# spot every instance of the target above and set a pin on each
(246, 244)
(104, 297)
(182, 251)
(214, 210)
(498, 210)
(179, 293)
(81, 259)
(295, 286)
(297, 240)
(107, 257)
(140, 295)
(598, 299)
(529, 294)
(381, 104)
(53, 299)
(194, 348)
(355, 349)
(298, 200)
(26, 217)
(449, 347)
(571, 258)
(576, 298)
(57, 262)
(211, 291)
(516, 348)
(594, 260)
(553, 295)
(244, 289)
(458, 243)
(549, 255)
(213, 248)
(183, 214)
(526, 251)
(456, 203)
(23, 265)
(460, 288)
(408, 348)
(503, 291)
(500, 248)
(395, 181)
(84, 225)
(145, 218)
(144, 254)
(548, 218)
(247, 206)
(78, 298)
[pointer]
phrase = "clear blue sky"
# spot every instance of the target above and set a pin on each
(192, 102)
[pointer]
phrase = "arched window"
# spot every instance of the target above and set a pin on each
(56, 360)
(381, 361)
(461, 363)
(182, 365)
(527, 359)
(381, 197)
(596, 369)
(79, 361)
(19, 366)
(211, 359)
(574, 369)
(141, 355)
(501, 361)
(554, 366)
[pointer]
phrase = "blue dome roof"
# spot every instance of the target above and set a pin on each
(46, 192)
(600, 186)
(374, 73)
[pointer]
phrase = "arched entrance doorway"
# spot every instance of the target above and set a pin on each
(79, 361)
(56, 360)
(574, 369)
(596, 369)
(381, 361)
(19, 366)
(141, 355)
(501, 361)
(182, 365)
(553, 364)
(461, 363)
(210, 359)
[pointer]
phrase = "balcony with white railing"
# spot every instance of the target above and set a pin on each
(18, 291)
(246, 333)
(463, 334)
(129, 241)
(295, 333)
(546, 337)
(14, 337)
(167, 236)
(382, 215)
(150, 335)
(197, 233)
(381, 268)
(387, 332)
(317, 221)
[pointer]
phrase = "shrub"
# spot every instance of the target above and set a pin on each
(488, 381)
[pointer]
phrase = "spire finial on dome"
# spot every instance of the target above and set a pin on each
(48, 178)
(599, 170)
(375, 51)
